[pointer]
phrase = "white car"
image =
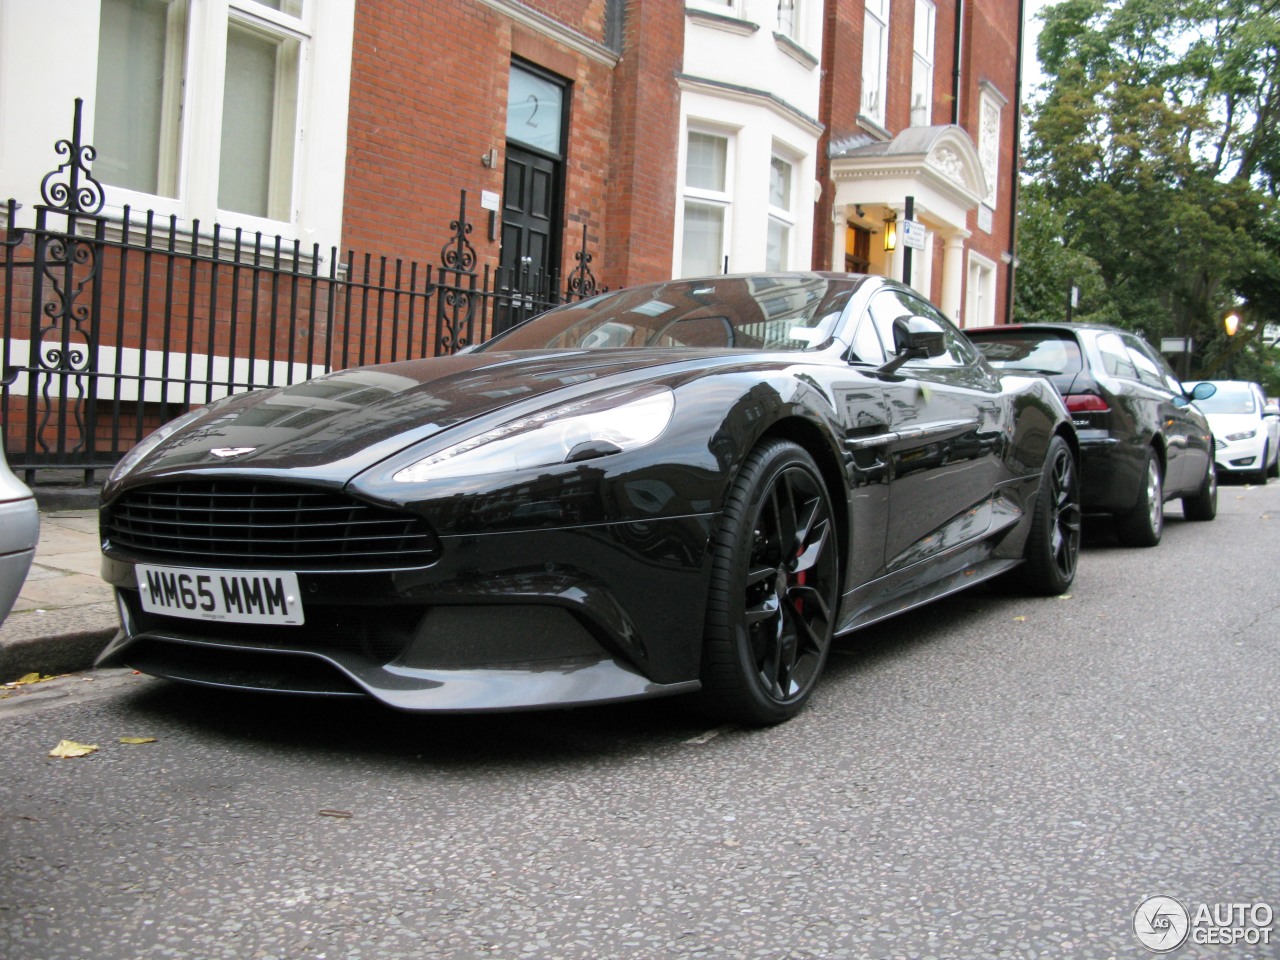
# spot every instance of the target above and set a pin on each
(19, 531)
(1246, 430)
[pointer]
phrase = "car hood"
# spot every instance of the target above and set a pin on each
(1224, 424)
(340, 424)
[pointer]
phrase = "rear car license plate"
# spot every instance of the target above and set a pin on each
(230, 596)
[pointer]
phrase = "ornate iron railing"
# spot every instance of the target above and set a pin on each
(113, 325)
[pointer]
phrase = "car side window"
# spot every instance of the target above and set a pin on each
(866, 346)
(1115, 358)
(888, 305)
(1148, 371)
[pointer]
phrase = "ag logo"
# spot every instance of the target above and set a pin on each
(1161, 924)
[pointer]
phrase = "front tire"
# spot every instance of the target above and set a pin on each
(774, 588)
(1204, 505)
(1262, 473)
(1142, 525)
(1053, 545)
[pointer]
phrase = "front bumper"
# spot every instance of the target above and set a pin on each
(503, 621)
(1240, 456)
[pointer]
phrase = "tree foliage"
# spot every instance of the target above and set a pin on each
(1153, 165)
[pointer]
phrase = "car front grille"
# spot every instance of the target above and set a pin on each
(233, 523)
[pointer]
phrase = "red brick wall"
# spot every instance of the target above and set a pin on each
(644, 143)
(840, 95)
(428, 100)
(991, 55)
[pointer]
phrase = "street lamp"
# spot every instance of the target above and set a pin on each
(1230, 323)
(891, 233)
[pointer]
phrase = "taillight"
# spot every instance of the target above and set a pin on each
(1086, 403)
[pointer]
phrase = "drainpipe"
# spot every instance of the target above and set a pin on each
(1017, 171)
(955, 62)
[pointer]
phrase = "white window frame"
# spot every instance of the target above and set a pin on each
(312, 206)
(875, 60)
(783, 217)
(922, 59)
(728, 8)
(980, 292)
(704, 196)
(789, 13)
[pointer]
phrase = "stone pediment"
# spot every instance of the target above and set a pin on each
(941, 160)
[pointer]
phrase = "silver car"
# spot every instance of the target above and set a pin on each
(19, 531)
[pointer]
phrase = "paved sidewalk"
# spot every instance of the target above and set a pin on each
(65, 613)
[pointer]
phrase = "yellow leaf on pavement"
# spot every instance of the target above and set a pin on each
(1019, 619)
(69, 748)
(137, 739)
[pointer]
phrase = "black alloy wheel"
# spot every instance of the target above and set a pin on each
(774, 589)
(1053, 545)
(1142, 525)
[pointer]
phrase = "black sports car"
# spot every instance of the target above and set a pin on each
(689, 485)
(1142, 440)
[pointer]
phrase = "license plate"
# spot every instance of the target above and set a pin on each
(230, 596)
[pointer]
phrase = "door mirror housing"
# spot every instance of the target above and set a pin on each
(915, 338)
(1202, 391)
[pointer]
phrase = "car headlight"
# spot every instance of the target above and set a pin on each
(594, 427)
(1246, 435)
(153, 440)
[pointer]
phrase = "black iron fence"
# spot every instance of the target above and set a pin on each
(113, 325)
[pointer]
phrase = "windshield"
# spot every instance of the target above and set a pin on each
(1038, 351)
(1230, 398)
(781, 312)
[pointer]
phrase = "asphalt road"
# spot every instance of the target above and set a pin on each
(991, 777)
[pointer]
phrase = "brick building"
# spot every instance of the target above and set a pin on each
(681, 136)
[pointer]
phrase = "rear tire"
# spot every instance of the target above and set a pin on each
(1142, 525)
(1053, 545)
(775, 587)
(1204, 505)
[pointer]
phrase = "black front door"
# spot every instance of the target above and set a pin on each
(530, 236)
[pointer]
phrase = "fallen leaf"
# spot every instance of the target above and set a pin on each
(69, 748)
(340, 814)
(137, 739)
(1019, 619)
(1064, 596)
(27, 678)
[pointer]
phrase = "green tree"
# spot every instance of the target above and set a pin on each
(1153, 163)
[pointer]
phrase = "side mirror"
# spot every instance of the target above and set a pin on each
(1202, 391)
(1271, 410)
(915, 338)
